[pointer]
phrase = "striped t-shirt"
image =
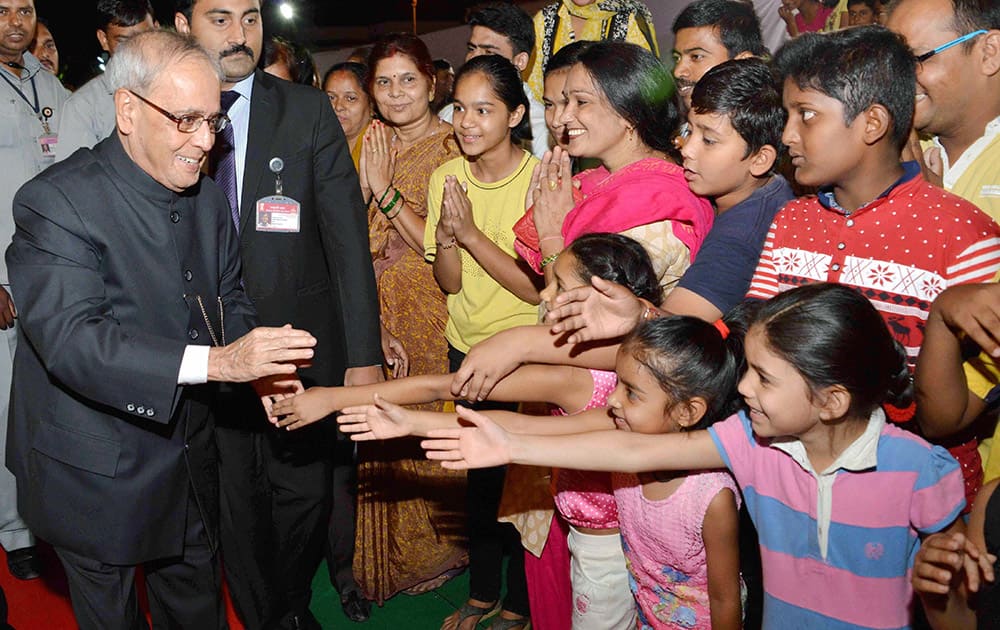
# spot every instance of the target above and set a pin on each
(876, 516)
(900, 250)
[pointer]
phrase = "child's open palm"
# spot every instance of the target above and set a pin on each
(482, 445)
(381, 421)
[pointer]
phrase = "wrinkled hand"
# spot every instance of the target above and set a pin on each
(274, 389)
(482, 445)
(456, 212)
(259, 353)
(605, 310)
(553, 197)
(380, 421)
(973, 309)
(380, 158)
(7, 311)
(485, 364)
(295, 412)
(395, 354)
(944, 558)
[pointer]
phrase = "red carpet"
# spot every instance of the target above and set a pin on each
(44, 603)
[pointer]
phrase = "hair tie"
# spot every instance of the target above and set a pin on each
(721, 327)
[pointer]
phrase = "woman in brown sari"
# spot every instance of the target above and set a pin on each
(410, 520)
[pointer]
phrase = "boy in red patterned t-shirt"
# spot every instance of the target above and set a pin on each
(875, 224)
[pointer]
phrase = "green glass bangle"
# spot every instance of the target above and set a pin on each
(391, 205)
(382, 198)
(548, 260)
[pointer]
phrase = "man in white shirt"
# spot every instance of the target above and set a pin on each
(957, 43)
(500, 28)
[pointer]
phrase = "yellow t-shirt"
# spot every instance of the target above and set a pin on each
(975, 175)
(482, 307)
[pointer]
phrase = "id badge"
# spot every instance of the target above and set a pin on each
(278, 214)
(47, 144)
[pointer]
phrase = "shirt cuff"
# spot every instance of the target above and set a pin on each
(194, 366)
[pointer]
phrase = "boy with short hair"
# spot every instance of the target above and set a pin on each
(708, 32)
(729, 157)
(875, 224)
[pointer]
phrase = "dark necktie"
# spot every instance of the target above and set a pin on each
(224, 160)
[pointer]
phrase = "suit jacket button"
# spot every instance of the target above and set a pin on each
(193, 333)
(188, 275)
(130, 407)
(150, 412)
(175, 217)
(140, 410)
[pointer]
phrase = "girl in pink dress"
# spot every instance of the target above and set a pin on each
(680, 529)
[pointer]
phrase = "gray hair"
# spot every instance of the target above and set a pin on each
(138, 62)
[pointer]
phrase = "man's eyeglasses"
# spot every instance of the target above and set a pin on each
(943, 47)
(189, 123)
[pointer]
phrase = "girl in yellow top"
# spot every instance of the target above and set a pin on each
(473, 203)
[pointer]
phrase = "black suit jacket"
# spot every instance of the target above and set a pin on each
(319, 279)
(107, 266)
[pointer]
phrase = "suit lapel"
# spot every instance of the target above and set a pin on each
(263, 118)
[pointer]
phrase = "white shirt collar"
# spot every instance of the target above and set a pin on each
(860, 455)
(952, 172)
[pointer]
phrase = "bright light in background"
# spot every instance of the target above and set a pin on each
(287, 10)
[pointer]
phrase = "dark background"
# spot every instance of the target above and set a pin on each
(319, 24)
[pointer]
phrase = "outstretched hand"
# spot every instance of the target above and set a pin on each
(604, 310)
(485, 364)
(273, 390)
(380, 421)
(482, 445)
(295, 412)
(260, 353)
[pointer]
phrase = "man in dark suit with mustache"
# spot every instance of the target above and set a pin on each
(308, 265)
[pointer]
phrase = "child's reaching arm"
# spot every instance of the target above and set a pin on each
(944, 403)
(568, 387)
(384, 421)
(947, 568)
(491, 359)
(487, 444)
(317, 403)
(720, 532)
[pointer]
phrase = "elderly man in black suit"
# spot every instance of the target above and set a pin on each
(127, 273)
(308, 264)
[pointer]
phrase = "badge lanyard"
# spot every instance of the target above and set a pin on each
(278, 213)
(36, 108)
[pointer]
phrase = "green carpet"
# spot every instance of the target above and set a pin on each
(413, 612)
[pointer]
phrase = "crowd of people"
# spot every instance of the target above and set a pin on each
(637, 343)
